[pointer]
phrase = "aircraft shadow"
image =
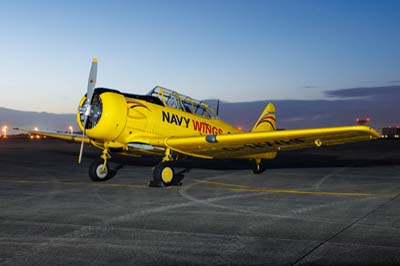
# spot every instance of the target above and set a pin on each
(341, 157)
(281, 162)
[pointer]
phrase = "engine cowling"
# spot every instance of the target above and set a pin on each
(107, 118)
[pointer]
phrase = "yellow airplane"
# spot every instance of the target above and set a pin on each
(173, 126)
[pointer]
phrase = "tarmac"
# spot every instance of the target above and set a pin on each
(327, 206)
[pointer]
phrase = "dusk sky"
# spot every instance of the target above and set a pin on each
(232, 50)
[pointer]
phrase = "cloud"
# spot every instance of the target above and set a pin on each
(309, 87)
(387, 92)
(394, 81)
(321, 117)
(294, 119)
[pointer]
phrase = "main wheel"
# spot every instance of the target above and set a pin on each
(95, 173)
(163, 174)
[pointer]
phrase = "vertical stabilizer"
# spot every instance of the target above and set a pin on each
(267, 120)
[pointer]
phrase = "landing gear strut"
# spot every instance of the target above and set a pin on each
(99, 170)
(257, 166)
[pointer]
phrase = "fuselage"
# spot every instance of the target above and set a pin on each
(127, 118)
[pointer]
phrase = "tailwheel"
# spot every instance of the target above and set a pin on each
(99, 171)
(164, 175)
(257, 166)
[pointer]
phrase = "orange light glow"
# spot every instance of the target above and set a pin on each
(36, 128)
(31, 137)
(4, 129)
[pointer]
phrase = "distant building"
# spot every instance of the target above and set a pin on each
(391, 132)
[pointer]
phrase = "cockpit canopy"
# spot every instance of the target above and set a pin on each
(182, 102)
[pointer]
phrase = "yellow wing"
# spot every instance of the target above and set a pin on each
(57, 135)
(254, 144)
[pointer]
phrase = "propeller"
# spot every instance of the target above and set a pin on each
(89, 96)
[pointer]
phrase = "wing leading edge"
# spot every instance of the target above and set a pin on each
(57, 135)
(247, 145)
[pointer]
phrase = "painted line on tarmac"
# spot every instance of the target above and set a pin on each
(221, 184)
(118, 185)
(298, 192)
(327, 176)
(74, 183)
(227, 186)
(213, 202)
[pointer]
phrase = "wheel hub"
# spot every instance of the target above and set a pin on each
(101, 173)
(167, 174)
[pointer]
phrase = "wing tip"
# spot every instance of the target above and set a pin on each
(373, 132)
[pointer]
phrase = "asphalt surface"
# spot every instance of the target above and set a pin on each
(328, 206)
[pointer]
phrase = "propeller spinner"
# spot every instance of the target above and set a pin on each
(89, 96)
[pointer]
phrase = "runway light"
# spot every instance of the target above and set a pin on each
(4, 129)
(36, 128)
(31, 137)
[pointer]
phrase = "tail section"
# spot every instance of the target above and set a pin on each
(267, 120)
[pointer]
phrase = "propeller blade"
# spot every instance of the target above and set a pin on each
(83, 140)
(92, 81)
(81, 150)
(89, 95)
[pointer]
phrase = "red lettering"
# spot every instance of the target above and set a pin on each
(197, 126)
(208, 131)
(206, 128)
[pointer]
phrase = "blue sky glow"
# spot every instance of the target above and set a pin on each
(232, 50)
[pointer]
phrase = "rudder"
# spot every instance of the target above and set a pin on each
(267, 120)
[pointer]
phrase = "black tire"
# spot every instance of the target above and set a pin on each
(257, 169)
(163, 174)
(94, 171)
